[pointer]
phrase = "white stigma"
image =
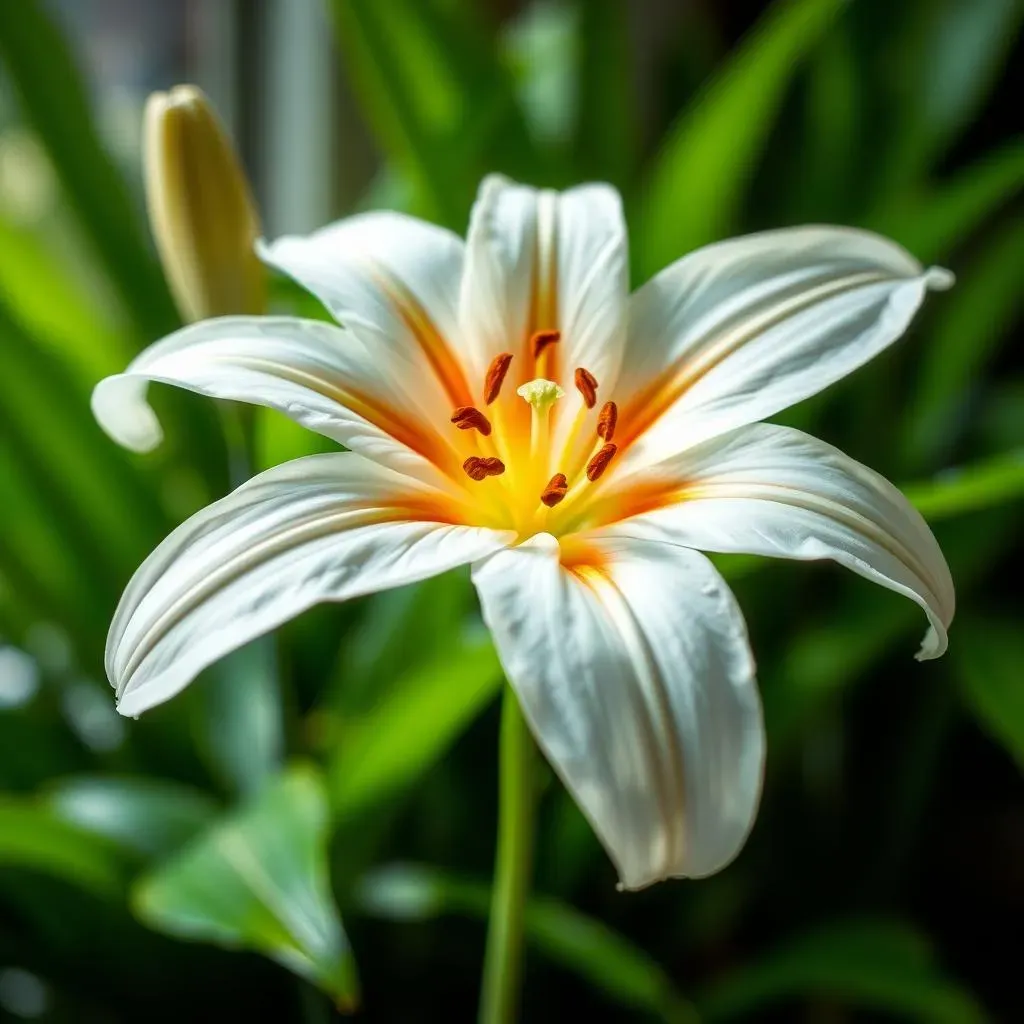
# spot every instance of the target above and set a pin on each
(541, 394)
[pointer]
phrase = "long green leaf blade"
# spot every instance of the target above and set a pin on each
(438, 97)
(874, 964)
(53, 97)
(696, 187)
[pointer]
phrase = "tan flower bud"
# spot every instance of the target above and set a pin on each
(201, 209)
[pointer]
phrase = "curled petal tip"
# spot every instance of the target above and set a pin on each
(939, 279)
(121, 409)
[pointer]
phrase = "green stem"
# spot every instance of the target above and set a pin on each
(502, 962)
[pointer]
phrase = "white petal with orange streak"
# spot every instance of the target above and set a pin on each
(739, 330)
(637, 681)
(393, 280)
(771, 490)
(323, 528)
(538, 259)
(320, 375)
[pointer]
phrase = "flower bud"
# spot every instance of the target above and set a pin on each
(201, 210)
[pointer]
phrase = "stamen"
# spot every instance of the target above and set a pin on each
(467, 417)
(541, 340)
(555, 490)
(586, 384)
(496, 376)
(606, 421)
(599, 463)
(477, 468)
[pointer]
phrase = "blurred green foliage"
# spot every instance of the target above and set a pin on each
(886, 857)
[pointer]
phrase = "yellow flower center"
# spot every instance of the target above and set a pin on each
(533, 461)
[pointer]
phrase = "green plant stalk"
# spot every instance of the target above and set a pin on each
(503, 959)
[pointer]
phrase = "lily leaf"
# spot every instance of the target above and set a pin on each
(438, 97)
(695, 189)
(53, 97)
(982, 308)
(394, 742)
(989, 654)
(995, 481)
(878, 965)
(240, 721)
(259, 879)
(605, 139)
(32, 836)
(943, 69)
(607, 960)
(55, 308)
(934, 222)
(149, 817)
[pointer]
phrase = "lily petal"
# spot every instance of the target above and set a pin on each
(540, 260)
(320, 375)
(771, 490)
(632, 667)
(739, 330)
(323, 528)
(394, 281)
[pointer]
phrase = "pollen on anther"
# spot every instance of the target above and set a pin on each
(599, 463)
(541, 340)
(607, 418)
(496, 376)
(467, 417)
(555, 490)
(478, 467)
(586, 384)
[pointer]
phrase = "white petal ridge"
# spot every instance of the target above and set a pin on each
(739, 330)
(771, 490)
(323, 528)
(635, 676)
(316, 373)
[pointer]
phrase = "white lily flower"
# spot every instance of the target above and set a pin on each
(507, 403)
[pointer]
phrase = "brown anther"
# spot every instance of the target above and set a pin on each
(606, 420)
(466, 417)
(555, 490)
(496, 376)
(541, 340)
(477, 468)
(586, 384)
(599, 463)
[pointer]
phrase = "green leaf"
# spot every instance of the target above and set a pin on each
(241, 719)
(987, 660)
(437, 96)
(150, 817)
(386, 748)
(54, 307)
(258, 879)
(605, 131)
(33, 837)
(607, 960)
(933, 222)
(982, 485)
(877, 965)
(696, 187)
(983, 308)
(106, 512)
(412, 625)
(53, 97)
(942, 71)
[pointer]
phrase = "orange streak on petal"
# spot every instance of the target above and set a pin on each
(433, 345)
(390, 421)
(649, 404)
